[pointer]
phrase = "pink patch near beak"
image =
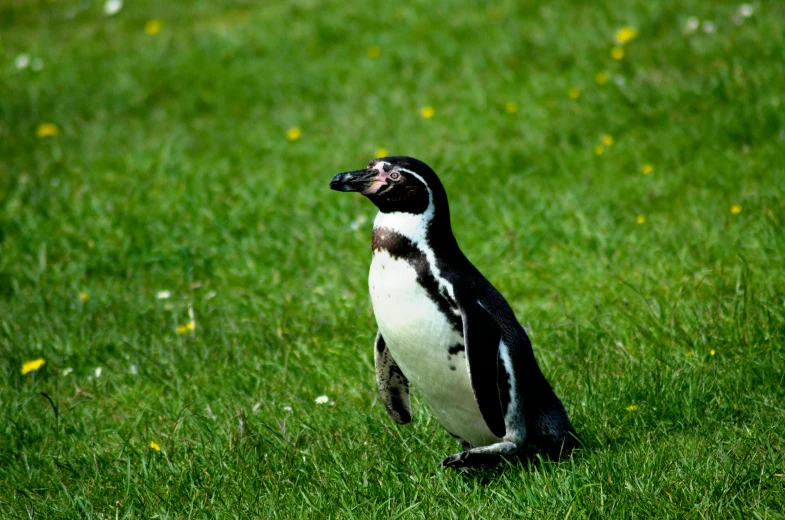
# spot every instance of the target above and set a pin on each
(381, 179)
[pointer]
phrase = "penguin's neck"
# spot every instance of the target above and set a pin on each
(413, 226)
(425, 231)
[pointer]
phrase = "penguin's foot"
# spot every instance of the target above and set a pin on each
(482, 456)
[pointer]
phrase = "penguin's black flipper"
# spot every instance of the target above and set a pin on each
(481, 336)
(393, 385)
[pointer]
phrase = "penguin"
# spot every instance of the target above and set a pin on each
(445, 329)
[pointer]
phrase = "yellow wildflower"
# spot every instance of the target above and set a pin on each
(601, 78)
(632, 407)
(712, 352)
(293, 133)
(511, 107)
(599, 149)
(84, 296)
(381, 152)
(152, 27)
(641, 219)
(427, 112)
(735, 209)
(47, 130)
(30, 366)
(182, 329)
(626, 35)
(373, 51)
(607, 140)
(574, 93)
(154, 446)
(617, 53)
(647, 168)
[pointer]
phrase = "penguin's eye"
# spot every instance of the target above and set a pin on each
(395, 176)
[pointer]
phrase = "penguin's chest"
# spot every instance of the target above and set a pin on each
(422, 328)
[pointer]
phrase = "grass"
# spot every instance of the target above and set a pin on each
(171, 170)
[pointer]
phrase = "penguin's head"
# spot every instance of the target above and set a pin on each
(394, 184)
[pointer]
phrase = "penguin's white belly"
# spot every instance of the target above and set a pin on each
(419, 337)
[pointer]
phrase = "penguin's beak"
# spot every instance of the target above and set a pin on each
(357, 180)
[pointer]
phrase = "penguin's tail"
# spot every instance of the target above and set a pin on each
(549, 429)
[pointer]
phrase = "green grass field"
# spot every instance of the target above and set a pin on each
(631, 210)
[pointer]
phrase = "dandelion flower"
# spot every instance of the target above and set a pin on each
(601, 78)
(152, 27)
(574, 93)
(632, 407)
(84, 296)
(31, 366)
(427, 112)
(163, 295)
(381, 152)
(47, 130)
(607, 140)
(641, 219)
(626, 35)
(322, 399)
(511, 107)
(293, 133)
(617, 53)
(154, 446)
(373, 51)
(647, 168)
(22, 61)
(735, 209)
(599, 149)
(712, 352)
(190, 326)
(112, 7)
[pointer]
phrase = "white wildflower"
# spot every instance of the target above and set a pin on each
(359, 221)
(746, 10)
(692, 24)
(708, 27)
(22, 61)
(287, 408)
(112, 7)
(322, 399)
(163, 295)
(67, 371)
(134, 370)
(98, 371)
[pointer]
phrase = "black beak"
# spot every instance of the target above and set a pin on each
(358, 180)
